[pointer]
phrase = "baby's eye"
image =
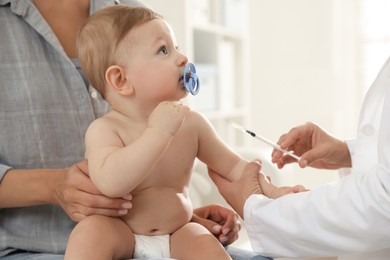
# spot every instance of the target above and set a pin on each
(163, 50)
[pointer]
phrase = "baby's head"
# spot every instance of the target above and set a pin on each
(98, 39)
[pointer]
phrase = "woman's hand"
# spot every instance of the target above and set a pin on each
(79, 197)
(219, 220)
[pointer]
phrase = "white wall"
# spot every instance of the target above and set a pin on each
(298, 51)
(302, 67)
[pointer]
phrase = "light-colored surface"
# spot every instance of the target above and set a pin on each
(298, 52)
(302, 69)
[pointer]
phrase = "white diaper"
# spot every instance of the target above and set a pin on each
(152, 246)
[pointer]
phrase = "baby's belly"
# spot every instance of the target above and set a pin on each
(158, 210)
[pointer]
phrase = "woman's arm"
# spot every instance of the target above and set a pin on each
(21, 188)
(71, 188)
(220, 221)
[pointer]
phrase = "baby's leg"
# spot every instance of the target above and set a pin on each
(193, 241)
(99, 237)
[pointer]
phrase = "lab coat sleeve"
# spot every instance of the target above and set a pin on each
(351, 147)
(348, 215)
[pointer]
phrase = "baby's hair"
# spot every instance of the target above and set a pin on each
(100, 35)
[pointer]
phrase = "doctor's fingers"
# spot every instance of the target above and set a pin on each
(283, 160)
(289, 140)
(299, 135)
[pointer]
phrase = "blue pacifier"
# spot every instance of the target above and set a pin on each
(191, 80)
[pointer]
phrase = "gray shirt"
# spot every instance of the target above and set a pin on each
(45, 108)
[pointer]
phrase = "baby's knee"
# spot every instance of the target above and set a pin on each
(194, 228)
(88, 226)
(92, 230)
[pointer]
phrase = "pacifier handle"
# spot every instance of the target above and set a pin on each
(191, 80)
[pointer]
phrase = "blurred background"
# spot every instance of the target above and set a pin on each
(273, 64)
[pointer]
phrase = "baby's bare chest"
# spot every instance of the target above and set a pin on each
(175, 165)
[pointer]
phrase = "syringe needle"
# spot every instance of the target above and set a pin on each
(265, 140)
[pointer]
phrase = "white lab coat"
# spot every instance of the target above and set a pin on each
(351, 215)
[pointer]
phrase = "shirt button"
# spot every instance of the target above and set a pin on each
(94, 94)
(368, 130)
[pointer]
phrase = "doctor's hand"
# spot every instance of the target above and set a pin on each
(237, 192)
(316, 147)
(79, 197)
(220, 221)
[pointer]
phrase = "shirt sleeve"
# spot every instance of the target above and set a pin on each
(3, 171)
(132, 3)
(351, 147)
(340, 217)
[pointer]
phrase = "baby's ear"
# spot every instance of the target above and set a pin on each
(116, 79)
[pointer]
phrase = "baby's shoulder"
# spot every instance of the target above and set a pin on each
(194, 117)
(103, 123)
(196, 120)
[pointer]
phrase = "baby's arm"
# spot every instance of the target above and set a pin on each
(223, 160)
(214, 152)
(116, 168)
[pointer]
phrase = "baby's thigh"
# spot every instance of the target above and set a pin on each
(193, 241)
(100, 237)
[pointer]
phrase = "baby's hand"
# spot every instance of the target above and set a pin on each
(168, 116)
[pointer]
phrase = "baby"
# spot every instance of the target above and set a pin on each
(147, 144)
